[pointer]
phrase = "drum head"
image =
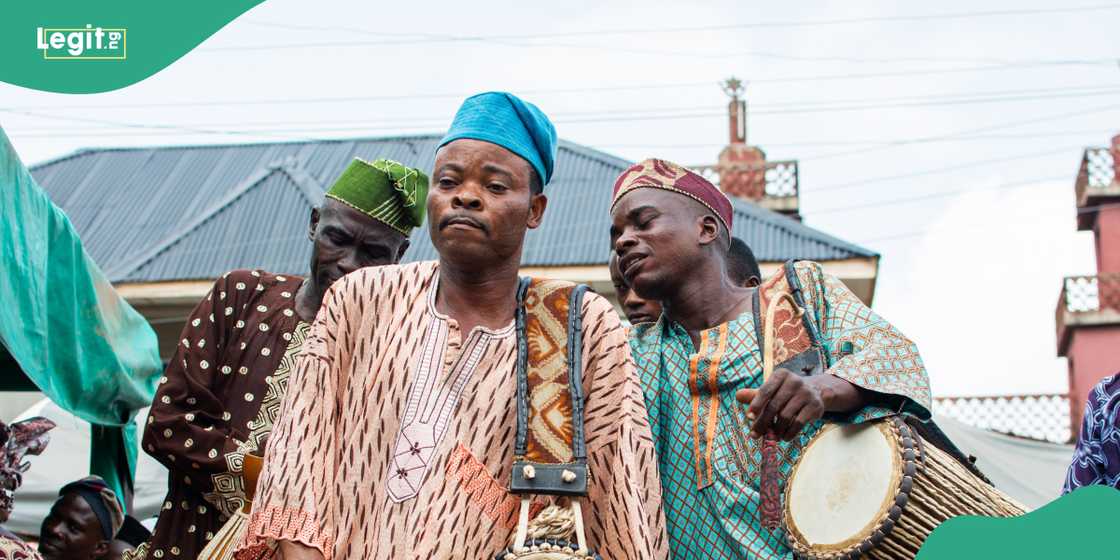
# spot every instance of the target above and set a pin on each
(843, 485)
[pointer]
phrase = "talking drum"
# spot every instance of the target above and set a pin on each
(877, 490)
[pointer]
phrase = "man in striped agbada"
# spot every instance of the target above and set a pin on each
(396, 438)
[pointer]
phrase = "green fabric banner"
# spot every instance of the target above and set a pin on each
(70, 332)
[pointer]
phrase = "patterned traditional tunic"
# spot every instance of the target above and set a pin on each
(1096, 459)
(709, 465)
(217, 400)
(12, 548)
(396, 438)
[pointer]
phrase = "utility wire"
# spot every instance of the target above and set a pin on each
(422, 38)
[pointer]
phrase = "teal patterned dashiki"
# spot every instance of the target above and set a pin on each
(709, 465)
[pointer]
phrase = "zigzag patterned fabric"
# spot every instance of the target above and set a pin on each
(550, 403)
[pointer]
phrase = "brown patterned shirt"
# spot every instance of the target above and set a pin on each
(211, 406)
(396, 438)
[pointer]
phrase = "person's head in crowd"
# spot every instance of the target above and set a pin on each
(365, 220)
(669, 225)
(742, 267)
(18, 440)
(131, 535)
(488, 182)
(82, 522)
(637, 310)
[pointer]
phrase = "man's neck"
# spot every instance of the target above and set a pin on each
(309, 298)
(478, 296)
(706, 299)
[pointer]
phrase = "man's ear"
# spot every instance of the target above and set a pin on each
(313, 225)
(101, 549)
(400, 252)
(537, 204)
(709, 229)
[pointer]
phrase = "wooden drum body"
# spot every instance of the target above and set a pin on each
(877, 490)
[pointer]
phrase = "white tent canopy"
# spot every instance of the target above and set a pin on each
(67, 459)
(1028, 470)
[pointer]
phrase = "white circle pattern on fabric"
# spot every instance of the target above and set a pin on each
(227, 370)
(226, 416)
(248, 397)
(263, 327)
(265, 351)
(189, 442)
(165, 399)
(288, 312)
(240, 286)
(262, 308)
(240, 324)
(229, 311)
(243, 370)
(196, 322)
(204, 364)
(167, 433)
(189, 416)
(213, 453)
(281, 278)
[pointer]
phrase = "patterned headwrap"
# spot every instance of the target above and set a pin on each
(504, 119)
(18, 440)
(384, 190)
(101, 499)
(666, 175)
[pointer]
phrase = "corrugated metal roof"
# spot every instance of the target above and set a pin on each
(193, 212)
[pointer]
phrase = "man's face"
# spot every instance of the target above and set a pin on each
(637, 310)
(657, 235)
(346, 240)
(480, 204)
(72, 531)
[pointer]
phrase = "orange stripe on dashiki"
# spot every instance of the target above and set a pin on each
(694, 386)
(713, 391)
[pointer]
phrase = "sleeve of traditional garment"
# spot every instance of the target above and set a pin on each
(865, 349)
(296, 489)
(623, 516)
(188, 429)
(1086, 467)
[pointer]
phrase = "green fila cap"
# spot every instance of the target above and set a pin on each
(384, 190)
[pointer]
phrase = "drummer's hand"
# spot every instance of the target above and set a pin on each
(787, 402)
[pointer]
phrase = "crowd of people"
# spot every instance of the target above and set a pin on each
(371, 409)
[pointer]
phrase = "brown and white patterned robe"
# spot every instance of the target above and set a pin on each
(396, 436)
(217, 400)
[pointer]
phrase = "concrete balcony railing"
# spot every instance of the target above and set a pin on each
(1098, 179)
(1087, 301)
(1042, 417)
(777, 181)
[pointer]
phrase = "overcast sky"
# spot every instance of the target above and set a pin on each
(979, 120)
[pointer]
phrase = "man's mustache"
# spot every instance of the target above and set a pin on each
(462, 219)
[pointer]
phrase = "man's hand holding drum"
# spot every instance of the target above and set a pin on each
(787, 402)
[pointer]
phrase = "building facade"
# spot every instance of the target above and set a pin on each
(1088, 311)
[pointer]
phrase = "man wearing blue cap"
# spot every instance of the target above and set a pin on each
(426, 393)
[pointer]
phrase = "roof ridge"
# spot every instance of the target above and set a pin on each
(178, 235)
(307, 185)
(86, 151)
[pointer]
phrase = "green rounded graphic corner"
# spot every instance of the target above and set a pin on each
(1048, 532)
(74, 46)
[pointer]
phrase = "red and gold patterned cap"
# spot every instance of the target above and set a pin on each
(666, 175)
